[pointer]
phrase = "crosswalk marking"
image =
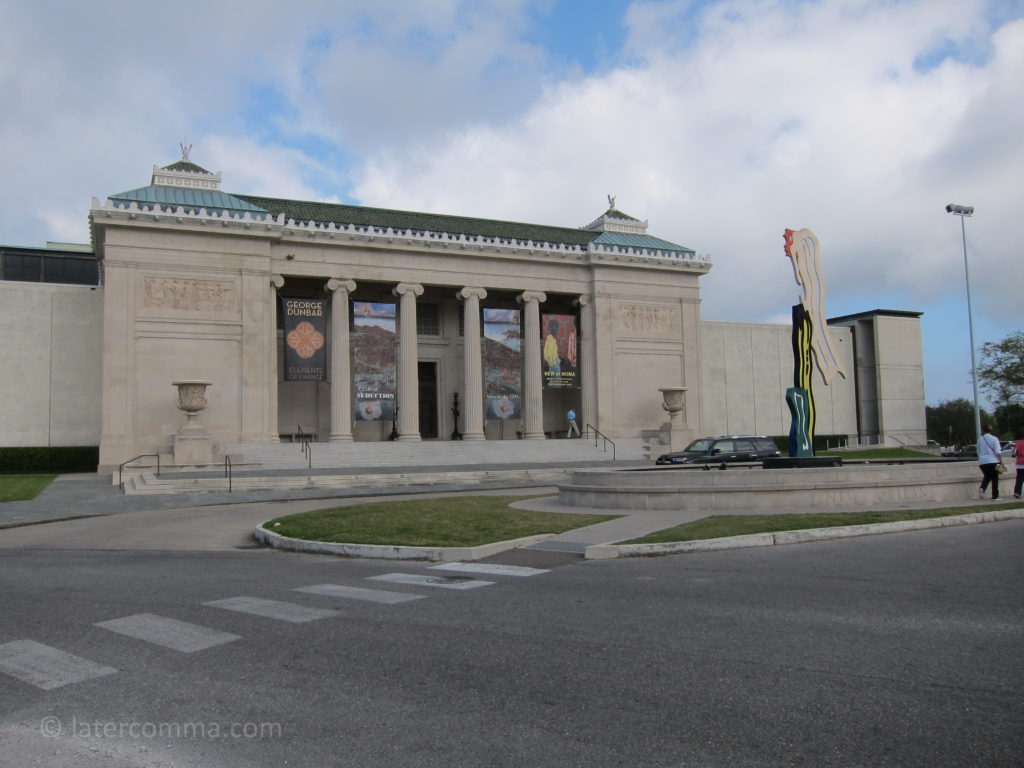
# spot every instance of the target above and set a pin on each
(272, 609)
(359, 593)
(46, 667)
(170, 633)
(421, 580)
(493, 569)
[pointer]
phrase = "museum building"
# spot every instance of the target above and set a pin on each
(351, 323)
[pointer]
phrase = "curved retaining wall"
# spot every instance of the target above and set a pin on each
(751, 488)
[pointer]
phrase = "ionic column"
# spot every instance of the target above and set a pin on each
(587, 346)
(533, 401)
(408, 372)
(273, 436)
(341, 379)
(473, 406)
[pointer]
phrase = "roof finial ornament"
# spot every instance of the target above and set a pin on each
(611, 202)
(184, 152)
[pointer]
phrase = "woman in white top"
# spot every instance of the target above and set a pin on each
(988, 460)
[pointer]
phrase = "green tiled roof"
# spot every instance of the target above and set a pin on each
(185, 165)
(615, 213)
(188, 198)
(419, 222)
(628, 240)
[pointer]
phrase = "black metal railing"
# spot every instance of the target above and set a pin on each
(307, 449)
(599, 434)
(227, 471)
(120, 469)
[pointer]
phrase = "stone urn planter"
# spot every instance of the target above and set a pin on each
(674, 402)
(191, 400)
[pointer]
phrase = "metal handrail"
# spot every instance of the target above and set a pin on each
(120, 469)
(599, 433)
(227, 470)
(307, 450)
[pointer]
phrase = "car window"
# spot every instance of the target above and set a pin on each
(724, 446)
(744, 445)
(764, 444)
(701, 445)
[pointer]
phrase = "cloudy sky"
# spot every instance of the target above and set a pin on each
(721, 122)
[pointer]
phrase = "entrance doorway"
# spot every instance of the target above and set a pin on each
(428, 399)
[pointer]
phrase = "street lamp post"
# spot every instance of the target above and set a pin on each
(963, 211)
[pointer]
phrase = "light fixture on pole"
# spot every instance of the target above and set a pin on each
(963, 211)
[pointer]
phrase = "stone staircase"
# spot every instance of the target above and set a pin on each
(345, 466)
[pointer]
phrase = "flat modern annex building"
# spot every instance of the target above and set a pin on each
(520, 321)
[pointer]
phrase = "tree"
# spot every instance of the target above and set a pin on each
(1001, 370)
(951, 422)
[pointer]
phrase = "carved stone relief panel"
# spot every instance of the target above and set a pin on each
(189, 295)
(655, 321)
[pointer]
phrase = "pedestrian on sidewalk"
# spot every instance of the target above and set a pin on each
(989, 461)
(572, 424)
(1018, 451)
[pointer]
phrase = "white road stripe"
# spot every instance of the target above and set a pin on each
(359, 593)
(272, 609)
(421, 580)
(493, 569)
(46, 667)
(170, 633)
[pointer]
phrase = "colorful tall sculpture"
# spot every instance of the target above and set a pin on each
(811, 338)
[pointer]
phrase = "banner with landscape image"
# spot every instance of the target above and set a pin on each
(374, 365)
(503, 362)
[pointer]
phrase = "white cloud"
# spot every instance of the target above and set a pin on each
(778, 115)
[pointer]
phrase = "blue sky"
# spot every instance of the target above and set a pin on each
(721, 122)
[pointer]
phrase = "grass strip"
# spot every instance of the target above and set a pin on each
(23, 487)
(462, 521)
(720, 526)
(878, 453)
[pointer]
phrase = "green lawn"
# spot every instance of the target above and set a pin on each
(462, 521)
(878, 453)
(719, 526)
(22, 487)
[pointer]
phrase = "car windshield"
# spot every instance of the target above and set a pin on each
(701, 445)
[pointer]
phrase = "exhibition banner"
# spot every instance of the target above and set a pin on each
(305, 353)
(503, 363)
(558, 335)
(374, 363)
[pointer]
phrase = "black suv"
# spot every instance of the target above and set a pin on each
(723, 448)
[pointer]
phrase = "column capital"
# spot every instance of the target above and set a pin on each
(467, 292)
(277, 281)
(403, 288)
(583, 300)
(528, 296)
(336, 283)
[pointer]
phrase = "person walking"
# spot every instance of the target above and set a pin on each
(989, 461)
(572, 424)
(1018, 451)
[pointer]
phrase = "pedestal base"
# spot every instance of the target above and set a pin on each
(193, 448)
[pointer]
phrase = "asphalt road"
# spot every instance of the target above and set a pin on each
(895, 650)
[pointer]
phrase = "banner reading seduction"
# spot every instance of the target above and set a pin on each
(558, 334)
(305, 354)
(374, 365)
(503, 362)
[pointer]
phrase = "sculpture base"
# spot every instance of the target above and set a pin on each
(193, 447)
(802, 462)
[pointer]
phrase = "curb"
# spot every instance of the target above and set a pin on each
(392, 552)
(610, 551)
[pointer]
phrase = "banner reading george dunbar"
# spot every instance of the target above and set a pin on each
(305, 353)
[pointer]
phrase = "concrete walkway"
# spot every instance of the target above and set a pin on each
(87, 512)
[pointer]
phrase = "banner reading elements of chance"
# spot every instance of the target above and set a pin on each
(558, 337)
(503, 362)
(374, 364)
(305, 354)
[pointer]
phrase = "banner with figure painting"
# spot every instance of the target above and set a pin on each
(558, 338)
(374, 365)
(305, 354)
(503, 363)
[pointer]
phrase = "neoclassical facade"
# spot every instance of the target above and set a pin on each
(517, 322)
